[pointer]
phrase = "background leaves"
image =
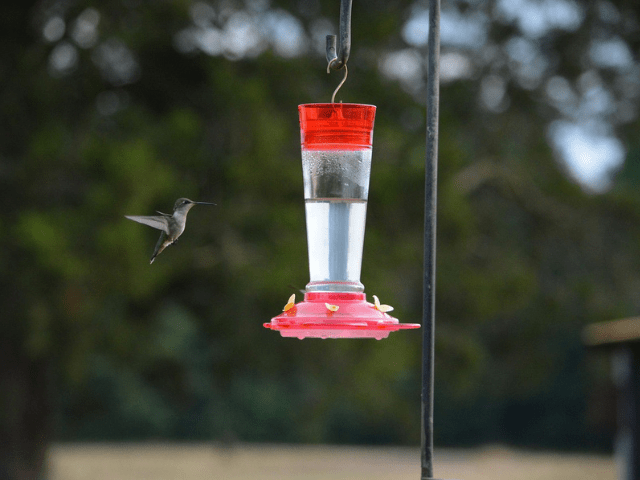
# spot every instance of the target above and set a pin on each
(120, 108)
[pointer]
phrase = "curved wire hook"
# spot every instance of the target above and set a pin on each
(337, 57)
(346, 72)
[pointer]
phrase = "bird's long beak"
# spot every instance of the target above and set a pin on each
(204, 203)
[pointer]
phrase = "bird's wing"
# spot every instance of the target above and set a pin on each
(160, 223)
(164, 214)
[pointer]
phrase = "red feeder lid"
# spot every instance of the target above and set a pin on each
(316, 317)
(331, 126)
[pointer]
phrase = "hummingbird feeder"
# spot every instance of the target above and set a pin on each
(336, 143)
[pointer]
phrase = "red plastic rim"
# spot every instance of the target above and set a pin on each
(354, 318)
(336, 126)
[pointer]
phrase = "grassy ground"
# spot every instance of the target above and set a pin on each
(271, 462)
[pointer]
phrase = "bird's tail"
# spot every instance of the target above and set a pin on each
(159, 247)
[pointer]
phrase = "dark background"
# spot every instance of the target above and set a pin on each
(120, 107)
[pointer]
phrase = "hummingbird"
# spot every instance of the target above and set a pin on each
(172, 226)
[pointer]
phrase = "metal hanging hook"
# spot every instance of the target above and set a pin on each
(338, 51)
(346, 72)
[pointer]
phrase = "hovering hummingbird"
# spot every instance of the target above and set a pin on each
(172, 226)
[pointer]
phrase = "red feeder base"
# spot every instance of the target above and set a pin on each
(316, 317)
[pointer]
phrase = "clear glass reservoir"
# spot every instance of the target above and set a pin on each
(336, 165)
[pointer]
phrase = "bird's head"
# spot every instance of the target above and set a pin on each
(184, 204)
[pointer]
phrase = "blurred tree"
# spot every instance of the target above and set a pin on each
(122, 107)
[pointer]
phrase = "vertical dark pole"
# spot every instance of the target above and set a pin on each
(634, 394)
(627, 378)
(429, 281)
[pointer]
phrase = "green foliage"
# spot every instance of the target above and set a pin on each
(177, 349)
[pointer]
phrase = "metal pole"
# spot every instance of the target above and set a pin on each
(429, 280)
(337, 55)
(626, 362)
